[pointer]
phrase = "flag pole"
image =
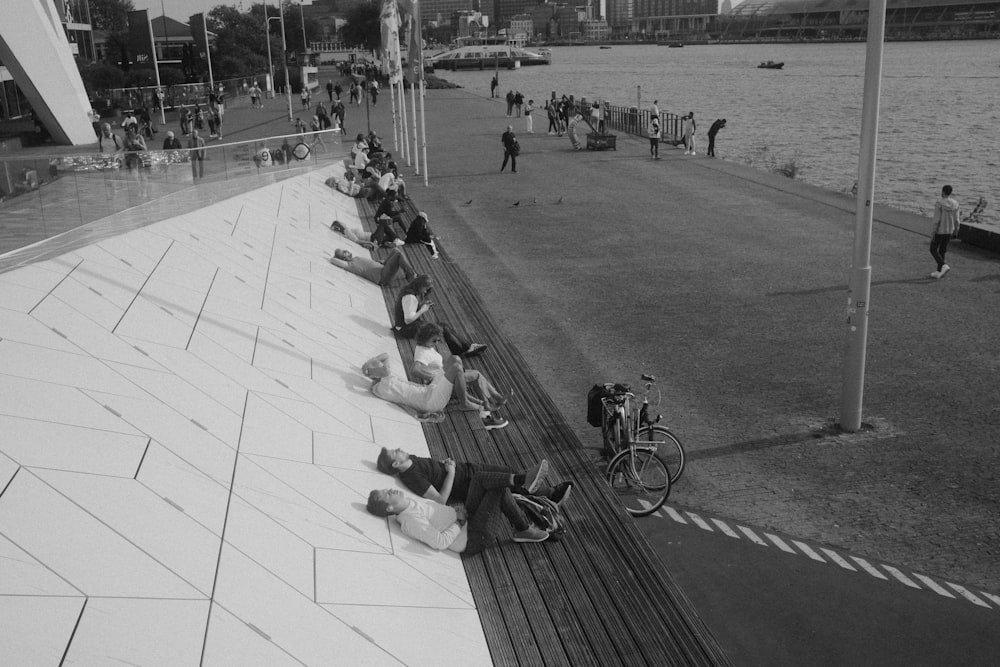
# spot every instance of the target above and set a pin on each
(860, 278)
(413, 109)
(405, 134)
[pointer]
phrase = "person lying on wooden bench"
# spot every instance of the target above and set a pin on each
(445, 482)
(467, 528)
(428, 400)
(382, 274)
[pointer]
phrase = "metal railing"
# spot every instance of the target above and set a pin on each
(636, 121)
(45, 196)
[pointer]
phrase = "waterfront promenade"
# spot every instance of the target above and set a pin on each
(712, 276)
(730, 284)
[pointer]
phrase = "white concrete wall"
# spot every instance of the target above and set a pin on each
(34, 48)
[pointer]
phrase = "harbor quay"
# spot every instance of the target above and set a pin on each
(730, 284)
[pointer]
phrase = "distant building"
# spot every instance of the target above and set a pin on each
(796, 20)
(672, 19)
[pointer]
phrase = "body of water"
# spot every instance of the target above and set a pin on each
(938, 123)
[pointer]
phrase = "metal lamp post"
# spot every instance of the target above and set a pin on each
(267, 34)
(284, 57)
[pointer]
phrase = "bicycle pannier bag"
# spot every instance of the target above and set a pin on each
(594, 405)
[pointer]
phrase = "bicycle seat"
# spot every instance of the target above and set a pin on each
(648, 378)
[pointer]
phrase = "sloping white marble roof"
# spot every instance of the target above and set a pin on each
(186, 447)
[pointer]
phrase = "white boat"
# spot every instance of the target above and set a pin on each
(486, 56)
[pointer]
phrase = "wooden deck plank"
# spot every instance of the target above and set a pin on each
(600, 596)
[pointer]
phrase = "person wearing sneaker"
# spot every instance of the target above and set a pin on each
(426, 399)
(412, 304)
(946, 221)
(467, 528)
(428, 364)
(419, 233)
(448, 481)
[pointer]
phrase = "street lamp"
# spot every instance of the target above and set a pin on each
(267, 34)
(284, 52)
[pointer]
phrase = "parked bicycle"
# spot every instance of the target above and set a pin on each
(647, 458)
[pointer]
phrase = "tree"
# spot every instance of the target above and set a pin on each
(362, 28)
(110, 15)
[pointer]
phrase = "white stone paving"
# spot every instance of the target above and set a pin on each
(186, 447)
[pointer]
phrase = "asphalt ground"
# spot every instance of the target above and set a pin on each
(729, 284)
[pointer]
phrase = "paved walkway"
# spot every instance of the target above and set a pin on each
(730, 284)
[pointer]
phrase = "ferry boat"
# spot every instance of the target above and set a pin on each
(486, 54)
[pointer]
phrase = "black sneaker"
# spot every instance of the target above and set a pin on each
(494, 422)
(475, 349)
(561, 493)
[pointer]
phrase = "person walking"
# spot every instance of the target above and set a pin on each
(946, 221)
(528, 122)
(510, 149)
(510, 103)
(518, 102)
(494, 84)
(329, 89)
(712, 131)
(654, 137)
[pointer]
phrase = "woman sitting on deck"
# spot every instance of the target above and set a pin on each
(411, 305)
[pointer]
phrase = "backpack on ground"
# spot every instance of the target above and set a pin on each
(544, 513)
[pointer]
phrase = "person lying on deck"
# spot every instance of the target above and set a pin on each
(467, 528)
(428, 400)
(448, 481)
(373, 270)
(383, 235)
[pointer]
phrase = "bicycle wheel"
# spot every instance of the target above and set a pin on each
(668, 448)
(640, 480)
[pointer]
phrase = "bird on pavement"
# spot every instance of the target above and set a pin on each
(467, 203)
(517, 203)
(560, 200)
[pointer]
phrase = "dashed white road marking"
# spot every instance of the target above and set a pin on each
(752, 536)
(933, 585)
(838, 559)
(978, 598)
(807, 550)
(968, 595)
(780, 543)
(701, 523)
(900, 576)
(990, 596)
(724, 527)
(674, 514)
(869, 568)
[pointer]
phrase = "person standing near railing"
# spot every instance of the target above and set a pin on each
(196, 148)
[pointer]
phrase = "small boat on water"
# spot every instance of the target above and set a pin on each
(486, 56)
(770, 64)
(604, 47)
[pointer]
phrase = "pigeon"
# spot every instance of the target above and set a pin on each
(560, 200)
(534, 200)
(517, 203)
(467, 203)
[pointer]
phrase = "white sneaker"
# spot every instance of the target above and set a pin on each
(944, 269)
(935, 274)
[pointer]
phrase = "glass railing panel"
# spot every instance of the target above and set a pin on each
(43, 197)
